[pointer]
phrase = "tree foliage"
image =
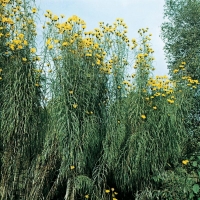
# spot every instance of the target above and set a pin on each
(180, 33)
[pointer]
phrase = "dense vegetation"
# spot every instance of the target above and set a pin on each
(75, 124)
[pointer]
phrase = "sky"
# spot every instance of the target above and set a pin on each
(136, 14)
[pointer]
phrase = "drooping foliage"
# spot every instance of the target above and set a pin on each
(75, 124)
(21, 111)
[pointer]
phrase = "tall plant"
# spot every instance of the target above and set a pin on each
(20, 98)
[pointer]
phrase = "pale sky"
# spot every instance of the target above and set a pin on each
(136, 14)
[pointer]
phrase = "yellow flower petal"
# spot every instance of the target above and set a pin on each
(185, 162)
(143, 117)
(72, 167)
(75, 105)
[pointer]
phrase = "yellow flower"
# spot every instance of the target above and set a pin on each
(34, 10)
(12, 47)
(37, 85)
(83, 26)
(55, 18)
(71, 91)
(0, 78)
(112, 189)
(48, 42)
(64, 43)
(175, 71)
(50, 46)
(114, 198)
(33, 50)
(133, 75)
(185, 162)
(75, 105)
(143, 116)
(154, 107)
(1, 70)
(56, 41)
(24, 59)
(107, 191)
(25, 42)
(48, 11)
(21, 36)
(98, 62)
(19, 47)
(39, 70)
(72, 167)
(87, 196)
(170, 101)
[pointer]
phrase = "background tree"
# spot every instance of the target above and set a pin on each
(181, 36)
